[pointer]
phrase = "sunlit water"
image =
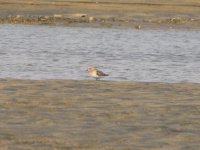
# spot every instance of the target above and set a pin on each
(45, 52)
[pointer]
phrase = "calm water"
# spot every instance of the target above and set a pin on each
(43, 52)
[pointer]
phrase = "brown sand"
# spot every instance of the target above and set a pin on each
(66, 114)
(111, 13)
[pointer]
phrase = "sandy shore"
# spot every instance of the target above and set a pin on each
(66, 114)
(112, 13)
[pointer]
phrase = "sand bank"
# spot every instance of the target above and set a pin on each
(66, 114)
(112, 13)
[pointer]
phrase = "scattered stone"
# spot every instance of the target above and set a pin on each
(46, 17)
(43, 18)
(57, 16)
(103, 20)
(175, 20)
(18, 16)
(79, 15)
(112, 19)
(91, 19)
(83, 16)
(138, 27)
(192, 19)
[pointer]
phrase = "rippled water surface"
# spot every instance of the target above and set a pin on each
(44, 52)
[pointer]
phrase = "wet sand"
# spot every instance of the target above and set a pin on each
(69, 114)
(112, 13)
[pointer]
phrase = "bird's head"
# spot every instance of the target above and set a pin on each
(90, 69)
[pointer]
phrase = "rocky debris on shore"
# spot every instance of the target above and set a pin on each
(66, 19)
(56, 18)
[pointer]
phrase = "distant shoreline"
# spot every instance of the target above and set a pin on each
(102, 14)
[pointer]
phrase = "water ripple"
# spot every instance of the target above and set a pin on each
(43, 52)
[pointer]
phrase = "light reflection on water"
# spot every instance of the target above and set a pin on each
(44, 52)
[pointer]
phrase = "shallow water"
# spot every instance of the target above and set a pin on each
(50, 52)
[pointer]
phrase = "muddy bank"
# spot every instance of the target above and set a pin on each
(102, 14)
(66, 114)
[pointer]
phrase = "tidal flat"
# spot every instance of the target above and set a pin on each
(112, 13)
(87, 114)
